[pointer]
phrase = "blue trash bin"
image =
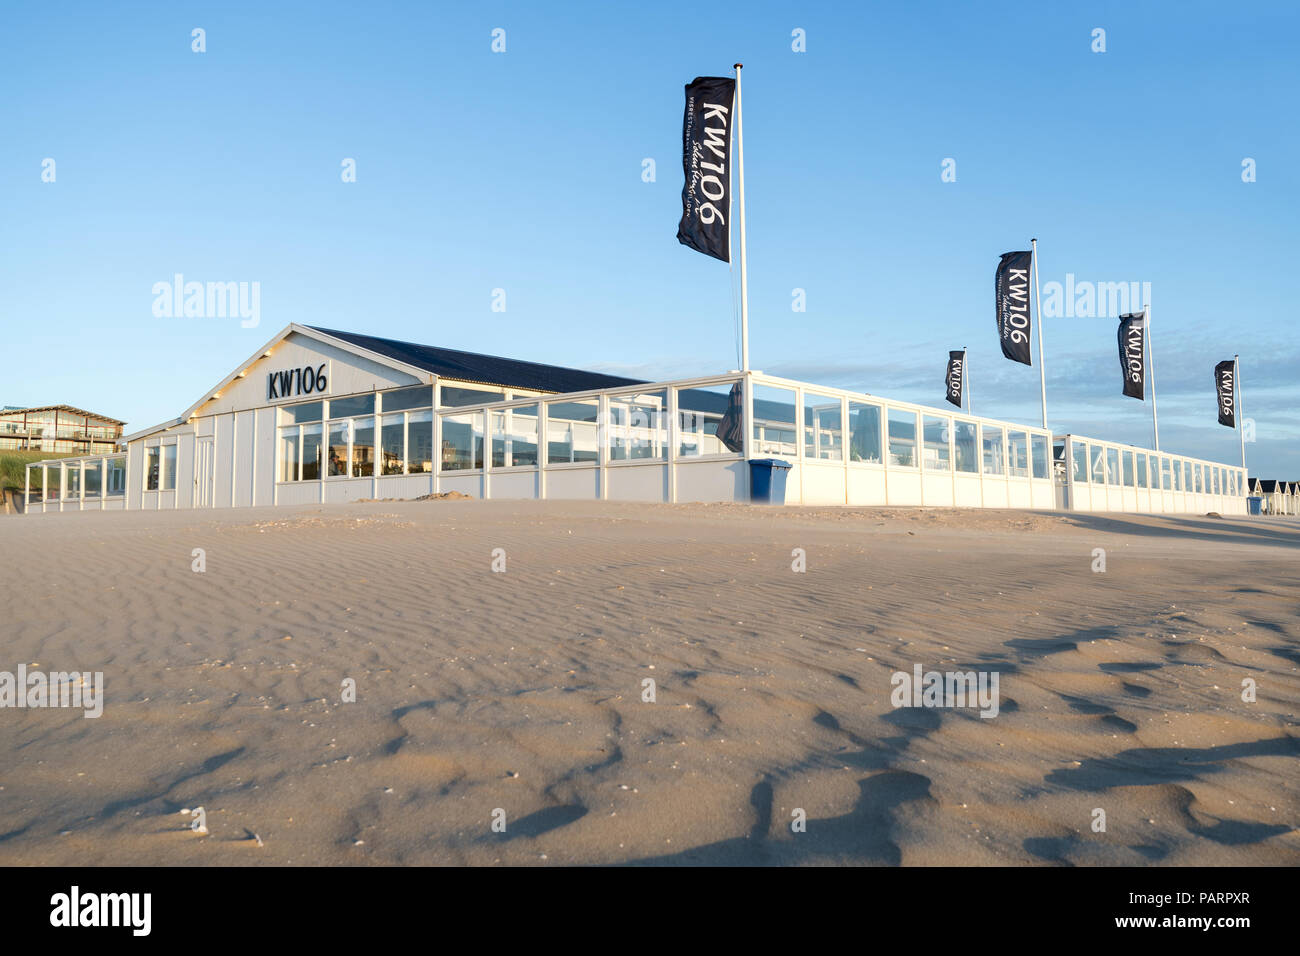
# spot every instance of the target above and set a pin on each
(1255, 504)
(767, 480)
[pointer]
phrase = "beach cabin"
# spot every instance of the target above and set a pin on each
(324, 416)
(1273, 494)
(319, 415)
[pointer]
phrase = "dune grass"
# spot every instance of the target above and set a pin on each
(13, 465)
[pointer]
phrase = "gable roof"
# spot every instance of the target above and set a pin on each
(418, 361)
(482, 369)
(14, 410)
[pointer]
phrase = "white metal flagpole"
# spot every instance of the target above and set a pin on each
(1241, 408)
(740, 196)
(1038, 310)
(1151, 366)
(965, 375)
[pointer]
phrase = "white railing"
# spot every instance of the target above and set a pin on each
(1099, 475)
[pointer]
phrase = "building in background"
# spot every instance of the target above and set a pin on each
(60, 429)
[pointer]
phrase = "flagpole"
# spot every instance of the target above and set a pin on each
(1038, 309)
(1151, 365)
(965, 375)
(740, 195)
(1241, 409)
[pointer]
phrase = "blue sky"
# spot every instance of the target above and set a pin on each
(522, 171)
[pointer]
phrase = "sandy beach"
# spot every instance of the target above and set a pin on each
(521, 690)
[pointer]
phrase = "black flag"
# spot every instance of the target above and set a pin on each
(706, 158)
(1011, 289)
(731, 426)
(955, 378)
(1133, 354)
(1225, 382)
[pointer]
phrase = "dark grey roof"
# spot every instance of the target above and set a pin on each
(483, 369)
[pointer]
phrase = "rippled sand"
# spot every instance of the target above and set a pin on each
(522, 691)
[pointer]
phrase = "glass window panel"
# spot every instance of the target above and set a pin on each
(152, 462)
(73, 473)
(523, 436)
(289, 453)
(313, 451)
(1039, 449)
(1018, 454)
(902, 437)
(1098, 457)
(169, 468)
(774, 421)
(1112, 466)
(1164, 475)
(355, 405)
(1128, 469)
(823, 427)
(454, 396)
(966, 447)
(638, 427)
(935, 433)
(116, 477)
(1198, 476)
(296, 414)
(419, 442)
(392, 443)
(864, 432)
(363, 447)
(571, 431)
(993, 462)
(338, 448)
(92, 475)
(399, 400)
(1178, 471)
(462, 441)
(710, 420)
(1142, 470)
(1187, 475)
(1079, 452)
(514, 437)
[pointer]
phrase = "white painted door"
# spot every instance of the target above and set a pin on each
(204, 474)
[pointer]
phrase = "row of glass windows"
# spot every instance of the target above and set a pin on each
(88, 479)
(637, 429)
(395, 400)
(317, 440)
(1104, 465)
(938, 442)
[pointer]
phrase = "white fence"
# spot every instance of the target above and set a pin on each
(1098, 475)
(87, 483)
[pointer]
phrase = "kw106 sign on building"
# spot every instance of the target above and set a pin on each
(292, 382)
